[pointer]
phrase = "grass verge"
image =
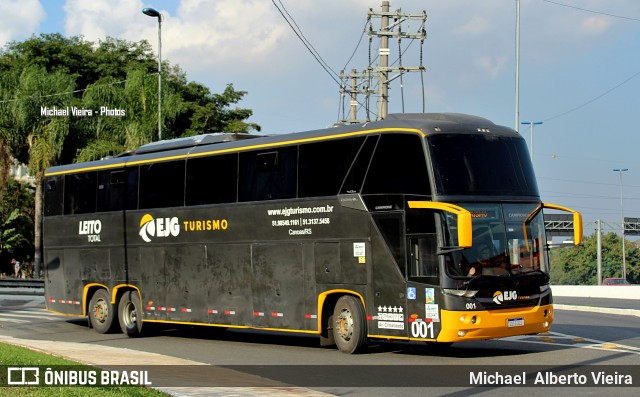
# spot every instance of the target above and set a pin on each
(15, 356)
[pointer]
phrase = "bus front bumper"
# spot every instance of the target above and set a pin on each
(460, 326)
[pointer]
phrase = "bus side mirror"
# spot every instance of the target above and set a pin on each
(577, 221)
(463, 221)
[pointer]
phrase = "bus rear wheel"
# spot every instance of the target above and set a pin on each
(349, 325)
(129, 314)
(102, 313)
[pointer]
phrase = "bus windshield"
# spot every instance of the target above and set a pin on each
(508, 240)
(476, 164)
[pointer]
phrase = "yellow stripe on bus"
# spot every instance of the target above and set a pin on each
(234, 150)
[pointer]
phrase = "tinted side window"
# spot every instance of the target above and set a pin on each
(80, 193)
(53, 195)
(391, 225)
(212, 180)
(323, 166)
(117, 188)
(398, 166)
(162, 184)
(355, 177)
(268, 175)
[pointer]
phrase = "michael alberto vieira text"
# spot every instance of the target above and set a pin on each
(549, 378)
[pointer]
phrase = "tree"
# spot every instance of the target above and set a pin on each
(579, 265)
(51, 70)
(203, 112)
(137, 98)
(37, 90)
(16, 224)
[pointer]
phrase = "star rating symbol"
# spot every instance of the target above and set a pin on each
(390, 309)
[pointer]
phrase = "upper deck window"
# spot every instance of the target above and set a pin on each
(477, 164)
(53, 195)
(268, 174)
(323, 166)
(162, 184)
(80, 193)
(398, 166)
(212, 179)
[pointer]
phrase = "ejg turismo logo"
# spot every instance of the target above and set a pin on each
(158, 227)
(499, 296)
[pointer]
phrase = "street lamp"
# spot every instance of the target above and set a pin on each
(624, 259)
(531, 124)
(154, 13)
(518, 65)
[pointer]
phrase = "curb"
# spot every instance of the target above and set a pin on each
(104, 356)
(593, 309)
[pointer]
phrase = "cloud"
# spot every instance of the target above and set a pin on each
(199, 34)
(491, 65)
(475, 26)
(97, 19)
(20, 18)
(595, 25)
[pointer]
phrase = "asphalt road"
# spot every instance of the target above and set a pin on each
(579, 339)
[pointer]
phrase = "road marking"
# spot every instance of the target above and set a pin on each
(30, 315)
(565, 340)
(13, 320)
(27, 316)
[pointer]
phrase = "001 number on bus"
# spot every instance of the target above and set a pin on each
(422, 329)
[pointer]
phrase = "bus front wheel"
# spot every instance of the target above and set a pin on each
(101, 312)
(129, 314)
(349, 325)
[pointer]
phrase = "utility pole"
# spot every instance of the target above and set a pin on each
(390, 27)
(383, 97)
(599, 239)
(360, 84)
(518, 66)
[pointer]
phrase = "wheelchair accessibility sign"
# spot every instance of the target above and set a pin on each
(411, 293)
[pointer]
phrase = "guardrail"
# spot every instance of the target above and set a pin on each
(21, 283)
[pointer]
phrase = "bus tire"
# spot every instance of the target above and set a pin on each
(129, 314)
(349, 325)
(102, 313)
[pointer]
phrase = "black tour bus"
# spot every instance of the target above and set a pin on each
(421, 227)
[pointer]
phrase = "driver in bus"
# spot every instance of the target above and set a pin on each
(475, 268)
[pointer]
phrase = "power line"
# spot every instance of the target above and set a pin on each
(75, 91)
(591, 11)
(585, 182)
(593, 99)
(306, 43)
(364, 30)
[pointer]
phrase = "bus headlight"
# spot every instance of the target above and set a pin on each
(460, 292)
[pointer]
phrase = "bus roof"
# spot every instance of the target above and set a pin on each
(201, 145)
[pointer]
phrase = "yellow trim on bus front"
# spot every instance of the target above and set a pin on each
(463, 216)
(234, 150)
(457, 326)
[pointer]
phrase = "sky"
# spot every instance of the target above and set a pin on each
(579, 71)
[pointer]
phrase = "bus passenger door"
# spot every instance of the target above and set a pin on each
(423, 304)
(423, 261)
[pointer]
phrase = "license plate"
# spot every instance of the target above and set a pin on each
(515, 322)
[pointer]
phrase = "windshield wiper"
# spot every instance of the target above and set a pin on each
(448, 249)
(532, 273)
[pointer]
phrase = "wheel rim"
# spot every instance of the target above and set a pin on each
(345, 325)
(129, 315)
(101, 311)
